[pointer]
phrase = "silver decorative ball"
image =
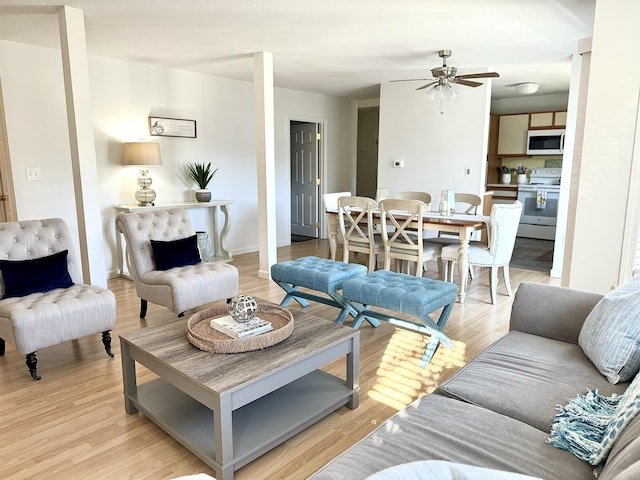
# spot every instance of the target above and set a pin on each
(243, 308)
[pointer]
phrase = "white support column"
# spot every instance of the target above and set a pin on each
(83, 155)
(265, 158)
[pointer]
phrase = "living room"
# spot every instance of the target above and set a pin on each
(125, 93)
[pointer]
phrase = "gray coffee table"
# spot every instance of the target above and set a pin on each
(229, 409)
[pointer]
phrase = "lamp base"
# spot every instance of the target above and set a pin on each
(145, 195)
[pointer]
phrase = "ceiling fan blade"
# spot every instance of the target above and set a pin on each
(467, 83)
(428, 85)
(480, 75)
(410, 80)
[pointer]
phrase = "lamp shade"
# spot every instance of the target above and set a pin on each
(141, 153)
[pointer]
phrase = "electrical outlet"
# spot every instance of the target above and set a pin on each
(467, 171)
(398, 163)
(33, 174)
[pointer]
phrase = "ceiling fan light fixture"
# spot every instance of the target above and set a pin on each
(527, 88)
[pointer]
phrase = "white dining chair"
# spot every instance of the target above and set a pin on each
(503, 227)
(402, 234)
(356, 225)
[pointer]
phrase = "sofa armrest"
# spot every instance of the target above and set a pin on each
(551, 311)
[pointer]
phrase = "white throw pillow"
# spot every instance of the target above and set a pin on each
(610, 336)
(441, 470)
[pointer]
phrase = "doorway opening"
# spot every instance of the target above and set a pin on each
(305, 154)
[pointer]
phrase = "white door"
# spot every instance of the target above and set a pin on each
(304, 179)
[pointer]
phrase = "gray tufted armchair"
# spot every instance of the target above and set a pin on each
(179, 288)
(44, 301)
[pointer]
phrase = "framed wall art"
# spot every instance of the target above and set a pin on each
(172, 127)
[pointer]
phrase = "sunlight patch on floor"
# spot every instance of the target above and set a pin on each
(400, 380)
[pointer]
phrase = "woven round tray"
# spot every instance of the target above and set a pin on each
(201, 335)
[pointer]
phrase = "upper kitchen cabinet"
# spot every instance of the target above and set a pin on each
(548, 120)
(512, 134)
(512, 130)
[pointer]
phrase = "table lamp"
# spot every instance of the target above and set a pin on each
(143, 155)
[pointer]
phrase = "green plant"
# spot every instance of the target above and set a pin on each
(200, 173)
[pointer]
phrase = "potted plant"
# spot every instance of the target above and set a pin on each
(201, 174)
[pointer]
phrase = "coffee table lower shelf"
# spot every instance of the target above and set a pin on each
(257, 427)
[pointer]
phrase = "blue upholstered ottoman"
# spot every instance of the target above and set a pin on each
(321, 275)
(413, 296)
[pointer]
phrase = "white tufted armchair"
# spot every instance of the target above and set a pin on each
(50, 316)
(179, 288)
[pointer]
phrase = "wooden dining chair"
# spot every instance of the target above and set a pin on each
(422, 196)
(356, 226)
(402, 234)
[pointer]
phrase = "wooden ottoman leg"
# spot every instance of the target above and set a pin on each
(106, 340)
(32, 363)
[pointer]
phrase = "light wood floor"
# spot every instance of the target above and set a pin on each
(72, 423)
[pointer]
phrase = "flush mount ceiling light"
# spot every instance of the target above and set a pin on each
(527, 88)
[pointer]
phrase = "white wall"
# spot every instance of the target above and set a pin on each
(124, 94)
(530, 103)
(604, 177)
(436, 148)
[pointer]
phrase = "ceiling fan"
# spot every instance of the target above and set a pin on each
(445, 75)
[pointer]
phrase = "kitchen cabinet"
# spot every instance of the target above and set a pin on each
(548, 120)
(512, 134)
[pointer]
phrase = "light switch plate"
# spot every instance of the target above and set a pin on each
(33, 174)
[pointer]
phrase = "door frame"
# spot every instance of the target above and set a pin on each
(322, 166)
(6, 175)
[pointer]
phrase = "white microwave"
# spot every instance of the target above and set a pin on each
(545, 142)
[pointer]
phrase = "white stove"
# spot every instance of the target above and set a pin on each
(547, 178)
(539, 198)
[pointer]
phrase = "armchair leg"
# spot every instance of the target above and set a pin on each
(2, 346)
(106, 340)
(143, 308)
(32, 363)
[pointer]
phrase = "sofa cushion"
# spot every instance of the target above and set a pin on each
(526, 376)
(438, 470)
(175, 253)
(24, 277)
(436, 427)
(610, 336)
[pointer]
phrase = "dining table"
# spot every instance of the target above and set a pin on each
(463, 225)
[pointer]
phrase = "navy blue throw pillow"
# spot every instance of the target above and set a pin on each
(175, 253)
(23, 277)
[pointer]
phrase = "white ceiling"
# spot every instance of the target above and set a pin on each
(343, 48)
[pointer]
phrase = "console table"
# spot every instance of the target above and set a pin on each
(221, 254)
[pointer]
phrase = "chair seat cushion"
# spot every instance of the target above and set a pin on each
(479, 254)
(175, 253)
(47, 318)
(23, 277)
(190, 286)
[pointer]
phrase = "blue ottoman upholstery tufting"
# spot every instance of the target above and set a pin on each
(317, 274)
(405, 294)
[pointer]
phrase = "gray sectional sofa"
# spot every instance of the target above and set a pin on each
(498, 410)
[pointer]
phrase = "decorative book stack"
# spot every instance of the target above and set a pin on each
(230, 327)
